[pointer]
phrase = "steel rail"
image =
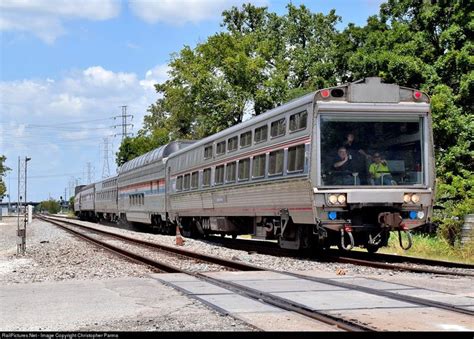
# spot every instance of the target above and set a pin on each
(251, 293)
(215, 260)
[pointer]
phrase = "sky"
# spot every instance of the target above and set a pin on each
(68, 67)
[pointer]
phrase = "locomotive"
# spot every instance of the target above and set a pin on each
(279, 175)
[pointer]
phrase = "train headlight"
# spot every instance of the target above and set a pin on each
(420, 214)
(415, 198)
(336, 199)
(406, 198)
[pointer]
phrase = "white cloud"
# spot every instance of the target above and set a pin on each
(44, 18)
(156, 75)
(182, 11)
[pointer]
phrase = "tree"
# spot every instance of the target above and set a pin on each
(52, 206)
(3, 170)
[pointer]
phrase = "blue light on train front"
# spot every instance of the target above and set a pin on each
(413, 215)
(332, 215)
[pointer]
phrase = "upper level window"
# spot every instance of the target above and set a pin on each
(219, 175)
(232, 144)
(275, 162)
(186, 182)
(179, 183)
(206, 177)
(261, 134)
(244, 169)
(258, 166)
(298, 121)
(230, 171)
(194, 180)
(246, 139)
(220, 148)
(296, 158)
(208, 152)
(278, 128)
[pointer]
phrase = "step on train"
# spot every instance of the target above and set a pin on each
(344, 166)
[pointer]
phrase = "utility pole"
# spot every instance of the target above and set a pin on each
(124, 124)
(22, 187)
(105, 166)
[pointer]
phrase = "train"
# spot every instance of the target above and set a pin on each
(302, 174)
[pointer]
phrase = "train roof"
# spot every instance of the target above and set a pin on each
(303, 100)
(155, 155)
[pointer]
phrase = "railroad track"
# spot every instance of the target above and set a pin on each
(270, 298)
(376, 260)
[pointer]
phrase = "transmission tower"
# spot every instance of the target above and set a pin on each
(124, 124)
(105, 166)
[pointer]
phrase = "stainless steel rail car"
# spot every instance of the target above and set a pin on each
(106, 199)
(275, 176)
(84, 202)
(141, 187)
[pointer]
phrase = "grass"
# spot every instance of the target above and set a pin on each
(432, 247)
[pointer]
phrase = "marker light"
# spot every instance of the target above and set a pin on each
(417, 95)
(415, 198)
(325, 93)
(420, 214)
(413, 215)
(332, 215)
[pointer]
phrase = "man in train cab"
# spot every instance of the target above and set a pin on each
(344, 169)
(379, 171)
(357, 155)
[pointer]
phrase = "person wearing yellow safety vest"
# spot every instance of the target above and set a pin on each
(379, 171)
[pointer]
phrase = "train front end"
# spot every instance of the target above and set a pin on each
(372, 164)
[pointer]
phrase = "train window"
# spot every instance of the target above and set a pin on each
(219, 175)
(186, 182)
(275, 163)
(194, 180)
(230, 170)
(244, 169)
(179, 183)
(278, 128)
(232, 144)
(206, 177)
(296, 158)
(298, 121)
(261, 134)
(246, 139)
(208, 152)
(220, 148)
(258, 166)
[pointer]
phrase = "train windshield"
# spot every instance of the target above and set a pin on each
(371, 151)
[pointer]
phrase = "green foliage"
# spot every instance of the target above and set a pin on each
(432, 247)
(71, 203)
(52, 206)
(3, 170)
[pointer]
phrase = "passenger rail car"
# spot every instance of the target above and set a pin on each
(141, 187)
(106, 199)
(340, 166)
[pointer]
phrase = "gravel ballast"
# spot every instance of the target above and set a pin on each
(55, 255)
